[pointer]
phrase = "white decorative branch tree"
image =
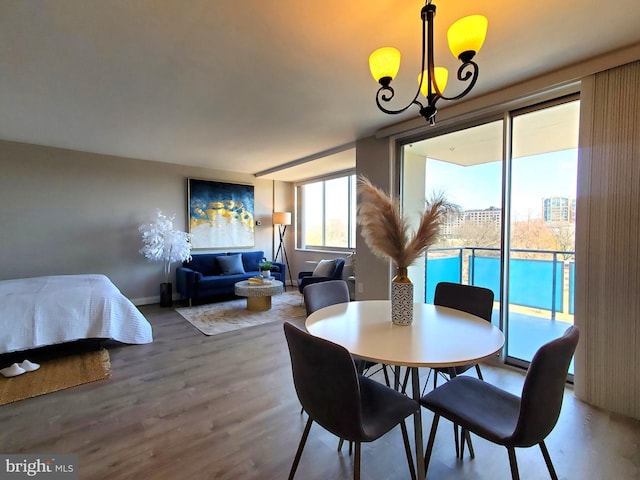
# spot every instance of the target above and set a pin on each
(163, 243)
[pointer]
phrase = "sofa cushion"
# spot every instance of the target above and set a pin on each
(205, 263)
(251, 260)
(324, 268)
(222, 283)
(231, 264)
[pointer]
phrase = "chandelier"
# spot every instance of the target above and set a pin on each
(465, 37)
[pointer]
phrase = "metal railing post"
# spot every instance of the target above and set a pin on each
(553, 286)
(472, 267)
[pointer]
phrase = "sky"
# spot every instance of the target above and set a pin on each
(533, 178)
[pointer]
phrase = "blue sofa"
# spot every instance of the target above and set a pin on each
(204, 275)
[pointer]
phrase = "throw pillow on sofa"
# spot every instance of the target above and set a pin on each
(324, 268)
(231, 264)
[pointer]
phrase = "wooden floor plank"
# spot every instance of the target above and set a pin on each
(189, 406)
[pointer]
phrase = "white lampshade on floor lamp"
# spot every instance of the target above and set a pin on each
(282, 219)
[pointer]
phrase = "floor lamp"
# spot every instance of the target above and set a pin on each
(282, 219)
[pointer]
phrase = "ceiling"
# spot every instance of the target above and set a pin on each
(551, 129)
(249, 86)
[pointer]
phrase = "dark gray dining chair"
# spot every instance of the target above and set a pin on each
(320, 295)
(340, 400)
(471, 299)
(501, 417)
(332, 292)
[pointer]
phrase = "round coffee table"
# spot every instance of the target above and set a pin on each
(258, 296)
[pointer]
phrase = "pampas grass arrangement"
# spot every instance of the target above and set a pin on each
(387, 233)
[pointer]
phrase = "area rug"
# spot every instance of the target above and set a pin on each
(56, 374)
(221, 317)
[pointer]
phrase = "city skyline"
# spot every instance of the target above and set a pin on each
(535, 177)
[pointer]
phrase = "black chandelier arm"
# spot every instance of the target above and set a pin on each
(386, 93)
(468, 71)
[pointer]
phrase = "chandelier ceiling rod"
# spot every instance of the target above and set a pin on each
(465, 36)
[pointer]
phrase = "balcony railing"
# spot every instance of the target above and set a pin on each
(541, 290)
(539, 280)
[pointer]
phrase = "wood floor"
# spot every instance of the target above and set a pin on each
(189, 406)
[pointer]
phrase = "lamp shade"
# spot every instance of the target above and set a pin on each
(467, 35)
(441, 74)
(384, 63)
(281, 218)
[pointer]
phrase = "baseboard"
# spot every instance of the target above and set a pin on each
(145, 300)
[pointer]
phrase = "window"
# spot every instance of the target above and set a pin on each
(327, 213)
(514, 181)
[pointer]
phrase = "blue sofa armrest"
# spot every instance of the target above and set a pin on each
(280, 268)
(186, 280)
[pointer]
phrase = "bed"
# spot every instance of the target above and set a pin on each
(42, 311)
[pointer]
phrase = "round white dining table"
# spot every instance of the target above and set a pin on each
(439, 337)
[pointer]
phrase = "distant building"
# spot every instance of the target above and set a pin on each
(559, 209)
(491, 215)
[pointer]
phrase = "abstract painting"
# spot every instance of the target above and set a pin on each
(220, 214)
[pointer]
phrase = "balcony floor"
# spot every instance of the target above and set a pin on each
(526, 333)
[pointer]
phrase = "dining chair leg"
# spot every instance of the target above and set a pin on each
(465, 437)
(396, 379)
(405, 381)
(386, 376)
(547, 459)
(407, 449)
(356, 463)
(432, 437)
(456, 439)
(350, 448)
(303, 440)
(340, 443)
(513, 463)
(426, 382)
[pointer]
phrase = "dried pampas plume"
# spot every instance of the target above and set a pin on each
(386, 232)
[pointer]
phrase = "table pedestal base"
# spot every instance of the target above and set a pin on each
(258, 304)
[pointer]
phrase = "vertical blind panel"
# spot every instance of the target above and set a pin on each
(608, 251)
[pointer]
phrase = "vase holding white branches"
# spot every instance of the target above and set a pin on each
(386, 233)
(162, 242)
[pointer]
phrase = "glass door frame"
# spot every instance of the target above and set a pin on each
(505, 255)
(545, 100)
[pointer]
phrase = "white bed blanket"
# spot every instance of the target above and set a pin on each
(40, 311)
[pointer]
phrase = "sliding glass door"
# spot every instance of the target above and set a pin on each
(466, 167)
(514, 183)
(544, 168)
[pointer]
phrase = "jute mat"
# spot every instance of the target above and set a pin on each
(56, 374)
(226, 316)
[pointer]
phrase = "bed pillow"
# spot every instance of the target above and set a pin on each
(231, 264)
(324, 268)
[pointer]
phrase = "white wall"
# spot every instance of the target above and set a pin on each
(68, 212)
(374, 159)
